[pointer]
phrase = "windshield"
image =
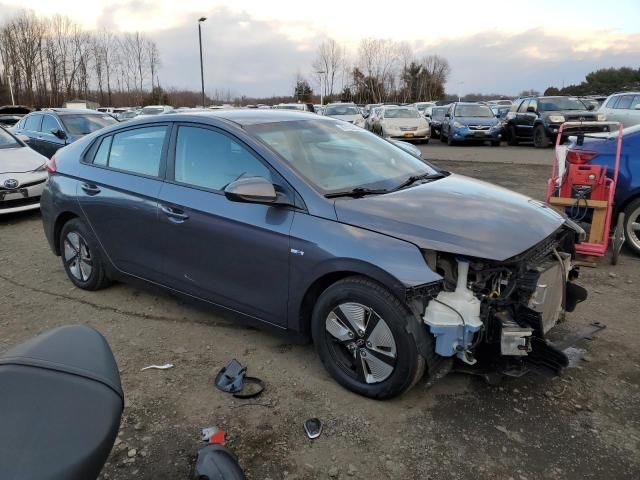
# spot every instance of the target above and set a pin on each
(438, 113)
(560, 103)
(85, 124)
(341, 110)
(7, 140)
(336, 157)
(401, 113)
(473, 111)
(152, 111)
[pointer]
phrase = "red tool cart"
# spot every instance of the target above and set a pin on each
(586, 191)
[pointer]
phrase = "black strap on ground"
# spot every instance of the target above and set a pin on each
(253, 391)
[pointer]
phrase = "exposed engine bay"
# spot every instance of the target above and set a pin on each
(496, 315)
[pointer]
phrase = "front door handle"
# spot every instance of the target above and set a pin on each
(175, 215)
(90, 188)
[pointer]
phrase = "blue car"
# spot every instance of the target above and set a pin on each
(470, 122)
(602, 151)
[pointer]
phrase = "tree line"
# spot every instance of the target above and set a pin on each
(46, 62)
(602, 82)
(379, 70)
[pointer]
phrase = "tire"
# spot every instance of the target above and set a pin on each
(632, 225)
(425, 142)
(81, 256)
(355, 321)
(512, 138)
(450, 141)
(495, 143)
(443, 139)
(618, 239)
(540, 138)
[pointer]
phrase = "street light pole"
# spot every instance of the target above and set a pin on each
(321, 72)
(200, 20)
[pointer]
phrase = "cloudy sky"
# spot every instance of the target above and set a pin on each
(255, 47)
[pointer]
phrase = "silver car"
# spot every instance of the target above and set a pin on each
(622, 107)
(23, 174)
(344, 111)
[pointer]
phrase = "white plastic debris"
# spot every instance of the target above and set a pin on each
(166, 366)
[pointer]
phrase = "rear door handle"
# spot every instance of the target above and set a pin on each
(174, 214)
(90, 188)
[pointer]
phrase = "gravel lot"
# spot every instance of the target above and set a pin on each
(585, 424)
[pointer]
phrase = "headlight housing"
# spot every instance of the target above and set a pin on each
(457, 125)
(556, 118)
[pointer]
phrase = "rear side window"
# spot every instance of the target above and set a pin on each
(102, 155)
(636, 102)
(33, 123)
(137, 151)
(209, 159)
(624, 103)
(611, 103)
(49, 123)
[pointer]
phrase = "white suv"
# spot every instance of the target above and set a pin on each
(622, 107)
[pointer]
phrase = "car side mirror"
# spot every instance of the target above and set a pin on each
(251, 190)
(531, 110)
(59, 133)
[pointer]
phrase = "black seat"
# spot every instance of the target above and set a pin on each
(60, 406)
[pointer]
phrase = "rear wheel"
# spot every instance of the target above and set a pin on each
(632, 225)
(512, 138)
(450, 140)
(540, 138)
(81, 257)
(362, 335)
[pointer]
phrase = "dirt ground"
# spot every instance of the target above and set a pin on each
(583, 425)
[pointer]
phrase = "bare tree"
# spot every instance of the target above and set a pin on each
(330, 61)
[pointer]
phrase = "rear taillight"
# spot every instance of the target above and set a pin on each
(51, 165)
(580, 157)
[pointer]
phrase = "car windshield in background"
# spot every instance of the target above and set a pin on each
(337, 157)
(473, 111)
(401, 113)
(560, 103)
(152, 111)
(86, 124)
(7, 140)
(341, 110)
(438, 113)
(290, 107)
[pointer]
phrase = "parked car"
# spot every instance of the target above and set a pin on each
(322, 229)
(368, 109)
(344, 111)
(500, 111)
(622, 107)
(538, 119)
(128, 115)
(11, 114)
(23, 174)
(372, 118)
(423, 106)
(303, 107)
(499, 103)
(465, 121)
(112, 110)
(402, 122)
(48, 130)
(152, 110)
(437, 117)
(627, 197)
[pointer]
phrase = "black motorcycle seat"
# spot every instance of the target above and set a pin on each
(60, 406)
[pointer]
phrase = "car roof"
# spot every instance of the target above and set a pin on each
(70, 111)
(253, 116)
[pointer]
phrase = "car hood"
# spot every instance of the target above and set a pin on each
(477, 120)
(456, 214)
(405, 122)
(19, 160)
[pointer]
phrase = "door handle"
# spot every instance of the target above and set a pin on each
(90, 188)
(174, 214)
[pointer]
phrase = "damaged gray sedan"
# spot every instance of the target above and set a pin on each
(391, 266)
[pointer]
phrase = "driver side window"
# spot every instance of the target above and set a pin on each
(209, 159)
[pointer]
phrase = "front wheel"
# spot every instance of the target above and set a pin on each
(362, 335)
(540, 137)
(632, 225)
(512, 138)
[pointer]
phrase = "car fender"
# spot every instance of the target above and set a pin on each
(324, 251)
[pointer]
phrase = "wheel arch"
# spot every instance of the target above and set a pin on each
(61, 220)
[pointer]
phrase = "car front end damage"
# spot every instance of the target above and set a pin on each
(495, 316)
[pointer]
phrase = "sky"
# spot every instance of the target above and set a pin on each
(256, 47)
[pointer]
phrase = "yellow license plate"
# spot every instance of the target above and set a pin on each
(408, 135)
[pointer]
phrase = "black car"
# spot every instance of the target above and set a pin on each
(437, 117)
(49, 130)
(11, 114)
(317, 227)
(538, 119)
